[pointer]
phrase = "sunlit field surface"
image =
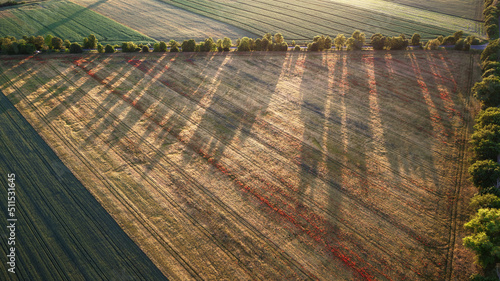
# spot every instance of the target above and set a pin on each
(66, 20)
(335, 165)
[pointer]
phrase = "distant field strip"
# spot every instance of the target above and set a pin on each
(301, 21)
(65, 20)
(63, 233)
(461, 8)
(163, 21)
(267, 166)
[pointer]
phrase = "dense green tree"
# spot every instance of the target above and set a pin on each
(278, 38)
(462, 45)
(339, 41)
(75, 48)
(313, 47)
(449, 40)
(490, 190)
(109, 49)
(13, 47)
(251, 43)
(67, 43)
(349, 44)
(490, 20)
(48, 40)
(489, 65)
(227, 43)
(218, 44)
(244, 45)
(208, 45)
(258, 44)
(100, 48)
(492, 51)
(488, 3)
(265, 44)
(484, 173)
(174, 46)
(485, 238)
(487, 91)
(328, 42)
(492, 31)
(322, 43)
(29, 39)
(297, 48)
(486, 143)
(495, 71)
(378, 41)
(5, 43)
(491, 10)
(39, 42)
(162, 46)
(415, 39)
(458, 35)
(145, 49)
(433, 44)
(57, 43)
(397, 43)
(293, 43)
(28, 48)
(188, 45)
(489, 116)
(269, 37)
(356, 41)
(90, 42)
(199, 46)
(481, 201)
(128, 47)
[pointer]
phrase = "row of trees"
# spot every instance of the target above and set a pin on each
(268, 42)
(491, 14)
(484, 226)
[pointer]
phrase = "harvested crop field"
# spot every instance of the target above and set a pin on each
(61, 232)
(301, 21)
(66, 20)
(162, 21)
(344, 166)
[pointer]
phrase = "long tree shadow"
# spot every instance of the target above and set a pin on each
(67, 19)
(225, 117)
(181, 98)
(315, 112)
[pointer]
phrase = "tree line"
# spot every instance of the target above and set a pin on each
(28, 45)
(484, 226)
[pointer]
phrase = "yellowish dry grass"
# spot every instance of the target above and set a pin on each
(271, 166)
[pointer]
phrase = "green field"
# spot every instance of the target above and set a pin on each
(65, 20)
(62, 232)
(169, 22)
(302, 21)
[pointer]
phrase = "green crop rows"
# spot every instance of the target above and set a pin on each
(65, 20)
(62, 232)
(301, 21)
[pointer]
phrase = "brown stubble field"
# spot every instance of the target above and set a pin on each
(267, 165)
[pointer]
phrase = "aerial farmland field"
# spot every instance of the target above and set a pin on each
(335, 165)
(163, 21)
(66, 20)
(61, 232)
(302, 21)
